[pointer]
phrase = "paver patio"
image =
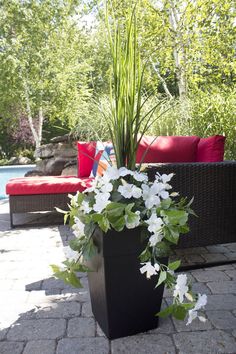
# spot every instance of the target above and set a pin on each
(39, 314)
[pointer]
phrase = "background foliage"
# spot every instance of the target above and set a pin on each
(55, 55)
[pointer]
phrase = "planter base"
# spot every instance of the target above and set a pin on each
(123, 301)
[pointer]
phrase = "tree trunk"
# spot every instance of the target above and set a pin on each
(163, 81)
(178, 52)
(37, 134)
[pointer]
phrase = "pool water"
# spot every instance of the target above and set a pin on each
(7, 172)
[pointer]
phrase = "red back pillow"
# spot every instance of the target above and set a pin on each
(86, 154)
(211, 149)
(168, 149)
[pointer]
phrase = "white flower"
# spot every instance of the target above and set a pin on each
(126, 191)
(74, 199)
(135, 221)
(101, 201)
(70, 254)
(140, 177)
(201, 301)
(150, 269)
(164, 194)
(166, 178)
(123, 171)
(85, 207)
(130, 190)
(92, 187)
(78, 227)
(155, 238)
(192, 314)
(149, 197)
(181, 287)
(112, 173)
(136, 192)
(106, 188)
(159, 188)
(155, 223)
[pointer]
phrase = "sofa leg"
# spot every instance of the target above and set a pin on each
(11, 220)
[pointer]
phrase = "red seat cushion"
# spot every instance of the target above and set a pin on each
(168, 149)
(47, 185)
(86, 154)
(211, 149)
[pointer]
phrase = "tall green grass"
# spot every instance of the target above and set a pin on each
(126, 118)
(203, 114)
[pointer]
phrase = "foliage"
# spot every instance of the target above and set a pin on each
(126, 122)
(120, 199)
(203, 114)
(42, 70)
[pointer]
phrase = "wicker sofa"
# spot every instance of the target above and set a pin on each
(213, 186)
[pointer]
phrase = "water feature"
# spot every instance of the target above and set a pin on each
(7, 172)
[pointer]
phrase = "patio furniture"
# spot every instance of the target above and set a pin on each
(35, 194)
(213, 186)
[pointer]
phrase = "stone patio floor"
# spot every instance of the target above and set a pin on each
(41, 315)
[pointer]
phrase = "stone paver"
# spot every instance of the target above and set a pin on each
(204, 342)
(214, 257)
(11, 347)
(143, 344)
(231, 274)
(40, 347)
(37, 329)
(210, 275)
(223, 287)
(60, 310)
(87, 310)
(40, 314)
(194, 326)
(222, 302)
(96, 345)
(81, 327)
(222, 319)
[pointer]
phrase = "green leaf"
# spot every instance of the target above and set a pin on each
(145, 255)
(176, 217)
(89, 251)
(179, 312)
(61, 211)
(74, 280)
(166, 312)
(184, 229)
(174, 265)
(169, 236)
(118, 224)
(89, 229)
(77, 243)
(96, 217)
(129, 207)
(104, 224)
(162, 278)
(115, 209)
(166, 203)
(55, 268)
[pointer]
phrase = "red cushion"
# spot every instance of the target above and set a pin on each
(86, 153)
(211, 149)
(168, 149)
(47, 185)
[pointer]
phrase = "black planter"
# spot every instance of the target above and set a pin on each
(124, 301)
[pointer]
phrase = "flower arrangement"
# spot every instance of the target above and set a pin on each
(124, 197)
(120, 199)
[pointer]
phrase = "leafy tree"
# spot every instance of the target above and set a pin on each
(42, 67)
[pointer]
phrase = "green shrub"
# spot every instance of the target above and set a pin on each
(203, 114)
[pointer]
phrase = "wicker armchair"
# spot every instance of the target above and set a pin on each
(213, 186)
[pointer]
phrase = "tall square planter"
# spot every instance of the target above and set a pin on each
(124, 302)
